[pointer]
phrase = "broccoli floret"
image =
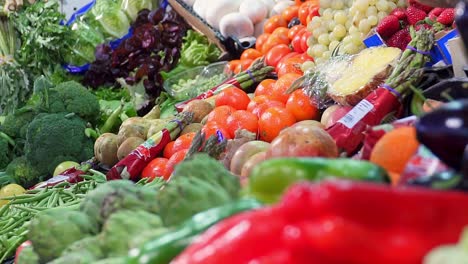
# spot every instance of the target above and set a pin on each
(122, 226)
(5, 150)
(15, 124)
(54, 138)
(72, 97)
(20, 171)
(53, 230)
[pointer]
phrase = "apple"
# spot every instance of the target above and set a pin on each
(244, 152)
(333, 113)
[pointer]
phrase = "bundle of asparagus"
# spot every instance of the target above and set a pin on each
(385, 100)
(243, 80)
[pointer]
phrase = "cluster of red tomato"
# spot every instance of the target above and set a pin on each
(283, 43)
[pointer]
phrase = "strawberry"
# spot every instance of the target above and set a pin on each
(399, 12)
(420, 6)
(447, 16)
(388, 26)
(415, 15)
(400, 39)
(435, 13)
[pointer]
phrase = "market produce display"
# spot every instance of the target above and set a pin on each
(129, 136)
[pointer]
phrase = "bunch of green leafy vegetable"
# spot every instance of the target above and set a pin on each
(14, 81)
(43, 39)
(196, 51)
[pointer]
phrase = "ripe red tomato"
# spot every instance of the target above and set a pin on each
(177, 158)
(169, 150)
(291, 65)
(274, 22)
(233, 97)
(294, 30)
(290, 12)
(273, 40)
(305, 36)
(219, 115)
(296, 42)
(251, 54)
(313, 12)
(213, 129)
(304, 11)
(242, 119)
(272, 121)
(261, 41)
(274, 55)
(265, 87)
(155, 168)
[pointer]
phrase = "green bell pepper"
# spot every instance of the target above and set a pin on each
(270, 178)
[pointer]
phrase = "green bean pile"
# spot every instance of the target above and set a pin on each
(16, 214)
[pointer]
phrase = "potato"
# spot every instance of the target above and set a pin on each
(105, 149)
(194, 127)
(134, 127)
(250, 164)
(199, 108)
(129, 145)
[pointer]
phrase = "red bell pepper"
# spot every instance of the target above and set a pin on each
(337, 221)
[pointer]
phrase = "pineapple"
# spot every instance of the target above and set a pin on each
(367, 70)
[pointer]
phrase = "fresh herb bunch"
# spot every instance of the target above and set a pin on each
(14, 81)
(44, 39)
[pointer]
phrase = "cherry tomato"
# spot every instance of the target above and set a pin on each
(260, 41)
(290, 12)
(274, 55)
(155, 168)
(251, 54)
(294, 30)
(305, 36)
(296, 42)
(274, 22)
(274, 40)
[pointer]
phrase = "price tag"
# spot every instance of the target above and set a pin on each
(356, 114)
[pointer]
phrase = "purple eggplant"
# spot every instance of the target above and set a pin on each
(445, 132)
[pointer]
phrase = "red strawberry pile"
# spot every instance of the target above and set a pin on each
(394, 28)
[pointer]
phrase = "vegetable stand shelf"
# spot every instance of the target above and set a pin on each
(233, 46)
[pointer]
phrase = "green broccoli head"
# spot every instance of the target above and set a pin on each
(53, 230)
(54, 138)
(113, 196)
(122, 226)
(72, 97)
(5, 153)
(16, 124)
(21, 171)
